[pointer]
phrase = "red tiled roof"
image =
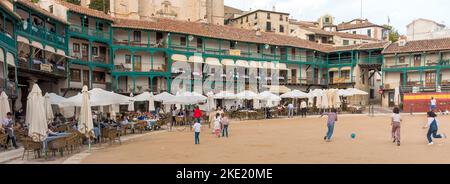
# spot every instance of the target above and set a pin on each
(8, 9)
(35, 7)
(361, 24)
(85, 11)
(216, 31)
(419, 46)
(343, 35)
(364, 46)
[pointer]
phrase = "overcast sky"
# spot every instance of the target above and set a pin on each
(400, 12)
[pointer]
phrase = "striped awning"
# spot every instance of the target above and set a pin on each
(179, 57)
(228, 62)
(282, 66)
(333, 69)
(346, 68)
(37, 45)
(213, 61)
(50, 49)
(10, 59)
(242, 63)
(256, 64)
(23, 40)
(195, 59)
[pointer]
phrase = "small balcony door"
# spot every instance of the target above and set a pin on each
(86, 78)
(417, 60)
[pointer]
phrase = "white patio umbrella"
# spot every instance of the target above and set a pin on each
(55, 99)
(211, 102)
(256, 104)
(186, 98)
(357, 91)
(35, 116)
(4, 105)
(163, 97)
(296, 94)
(397, 96)
(226, 95)
(246, 95)
(18, 104)
(97, 97)
(345, 93)
(268, 96)
(324, 100)
(131, 104)
(48, 108)
(85, 123)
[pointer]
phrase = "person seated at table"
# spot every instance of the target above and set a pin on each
(124, 120)
(50, 133)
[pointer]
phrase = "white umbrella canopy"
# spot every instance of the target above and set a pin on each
(357, 91)
(226, 95)
(131, 104)
(256, 104)
(324, 100)
(296, 94)
(186, 98)
(344, 93)
(246, 95)
(55, 99)
(268, 96)
(85, 123)
(211, 103)
(4, 105)
(35, 116)
(97, 97)
(163, 97)
(48, 108)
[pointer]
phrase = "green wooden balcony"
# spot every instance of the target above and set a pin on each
(43, 34)
(7, 38)
(78, 29)
(372, 60)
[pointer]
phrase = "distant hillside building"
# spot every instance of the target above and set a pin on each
(210, 11)
(422, 29)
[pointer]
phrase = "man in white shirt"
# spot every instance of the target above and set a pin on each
(433, 104)
(290, 110)
(303, 107)
(197, 128)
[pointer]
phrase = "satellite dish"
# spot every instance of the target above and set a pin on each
(266, 46)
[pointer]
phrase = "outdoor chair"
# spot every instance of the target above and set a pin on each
(111, 135)
(57, 145)
(3, 138)
(31, 146)
(140, 126)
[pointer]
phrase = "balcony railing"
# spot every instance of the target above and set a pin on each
(7, 38)
(39, 66)
(43, 34)
(102, 58)
(372, 60)
(90, 31)
(341, 61)
(345, 80)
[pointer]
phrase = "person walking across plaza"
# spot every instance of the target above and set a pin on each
(432, 104)
(217, 125)
(225, 124)
(396, 120)
(197, 128)
(332, 118)
(290, 110)
(433, 127)
(303, 108)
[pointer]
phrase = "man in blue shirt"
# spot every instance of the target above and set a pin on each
(8, 124)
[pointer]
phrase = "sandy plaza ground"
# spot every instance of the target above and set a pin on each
(287, 141)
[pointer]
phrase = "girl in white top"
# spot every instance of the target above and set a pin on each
(396, 120)
(217, 125)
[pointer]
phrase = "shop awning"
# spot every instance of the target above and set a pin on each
(213, 61)
(228, 62)
(256, 64)
(282, 66)
(195, 59)
(179, 57)
(23, 40)
(346, 68)
(333, 69)
(37, 45)
(50, 49)
(10, 59)
(242, 63)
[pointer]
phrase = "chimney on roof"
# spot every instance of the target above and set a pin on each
(273, 8)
